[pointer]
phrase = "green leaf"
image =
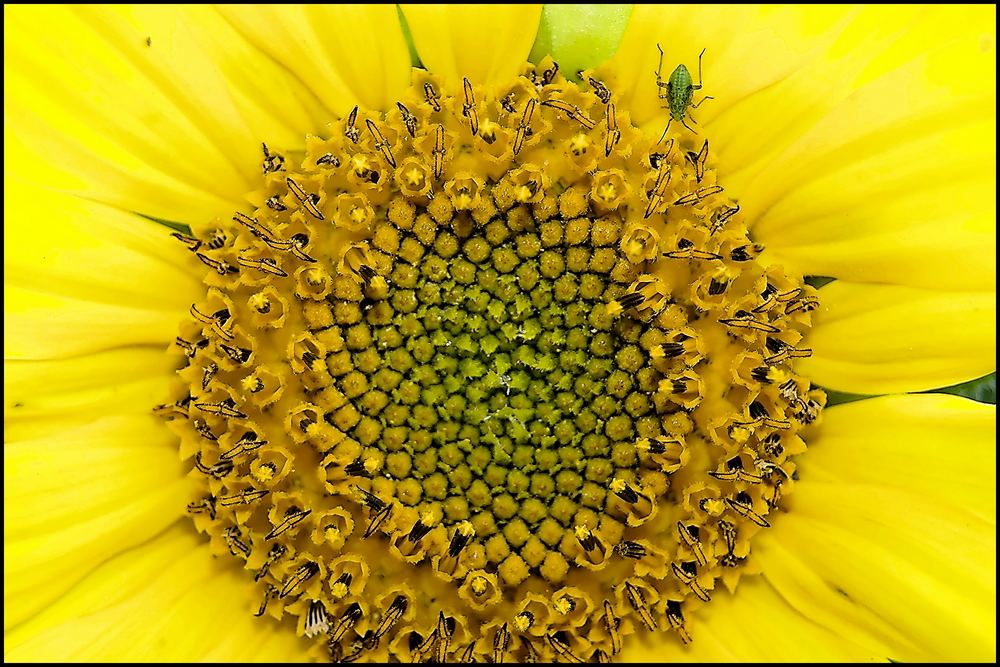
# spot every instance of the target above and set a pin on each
(983, 389)
(579, 37)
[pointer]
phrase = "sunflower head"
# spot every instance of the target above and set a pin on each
(490, 375)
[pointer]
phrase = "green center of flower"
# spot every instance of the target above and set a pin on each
(491, 376)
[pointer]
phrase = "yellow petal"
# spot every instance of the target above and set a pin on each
(892, 213)
(486, 43)
(747, 49)
(896, 182)
(74, 498)
(877, 339)
(90, 251)
(922, 444)
(42, 397)
(877, 162)
(754, 625)
(165, 600)
(39, 325)
(878, 526)
(154, 109)
(346, 54)
(859, 141)
(93, 278)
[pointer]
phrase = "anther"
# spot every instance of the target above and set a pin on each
(191, 349)
(274, 203)
(572, 111)
(204, 506)
(690, 537)
(501, 644)
(469, 108)
(614, 134)
(370, 500)
(244, 497)
(377, 520)
(317, 621)
(586, 537)
(659, 190)
(743, 253)
(381, 144)
(439, 151)
(561, 648)
(804, 305)
(613, 624)
(744, 320)
(523, 125)
(307, 199)
(656, 158)
(276, 552)
(735, 471)
(269, 592)
(357, 469)
(728, 533)
(409, 120)
(782, 351)
(264, 264)
(235, 543)
(220, 266)
(687, 572)
(350, 129)
(217, 240)
(420, 529)
(549, 75)
(392, 615)
(431, 96)
(203, 430)
(742, 506)
(239, 355)
(629, 549)
(463, 535)
(602, 92)
(272, 161)
(347, 620)
(305, 572)
(191, 242)
(721, 217)
(290, 521)
(248, 442)
(218, 470)
(223, 408)
(622, 489)
(638, 602)
(676, 619)
(208, 373)
(328, 158)
(630, 300)
(687, 250)
(698, 160)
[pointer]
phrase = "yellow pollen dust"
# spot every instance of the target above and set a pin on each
(491, 376)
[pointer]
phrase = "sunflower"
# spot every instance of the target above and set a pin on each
(504, 356)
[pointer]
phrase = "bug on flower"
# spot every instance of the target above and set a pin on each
(678, 91)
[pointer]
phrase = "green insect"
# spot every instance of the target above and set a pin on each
(678, 91)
